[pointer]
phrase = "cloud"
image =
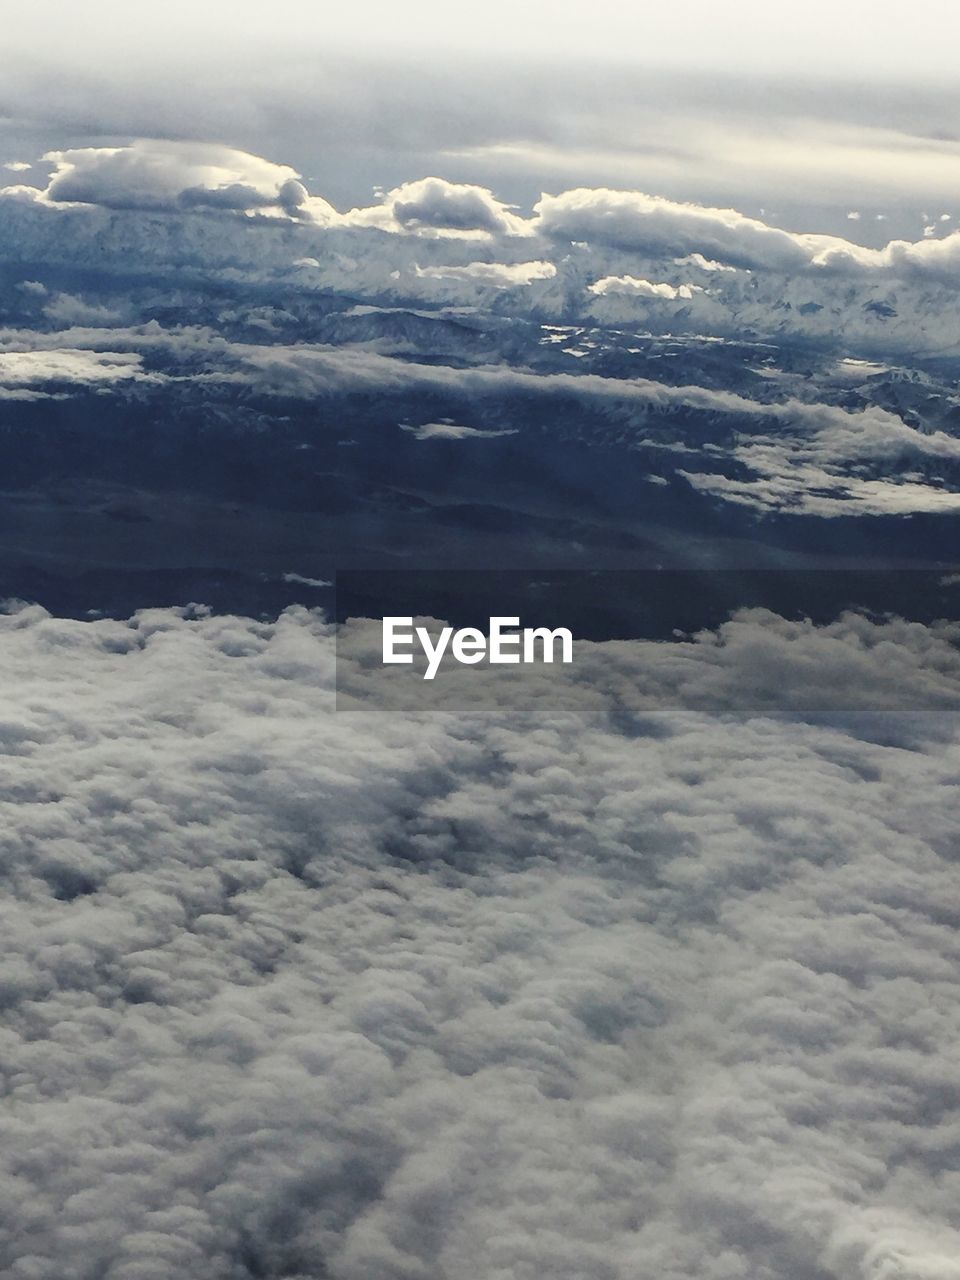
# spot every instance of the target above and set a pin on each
(496, 275)
(797, 488)
(631, 286)
(774, 450)
(756, 663)
(436, 205)
(75, 367)
(786, 455)
(559, 987)
(68, 309)
(690, 135)
(939, 259)
(635, 221)
(798, 456)
(313, 369)
(615, 235)
(447, 430)
(815, 466)
(309, 370)
(806, 431)
(702, 263)
(169, 176)
(306, 582)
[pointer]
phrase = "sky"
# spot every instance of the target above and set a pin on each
(797, 114)
(876, 40)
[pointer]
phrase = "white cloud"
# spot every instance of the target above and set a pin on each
(434, 205)
(446, 430)
(632, 287)
(704, 264)
(496, 275)
(306, 581)
(554, 988)
(792, 486)
(160, 175)
(771, 437)
(18, 166)
(317, 370)
(21, 194)
(934, 258)
(814, 465)
(809, 146)
(633, 220)
(616, 227)
(63, 365)
(794, 455)
(68, 309)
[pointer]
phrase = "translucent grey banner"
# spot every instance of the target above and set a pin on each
(726, 642)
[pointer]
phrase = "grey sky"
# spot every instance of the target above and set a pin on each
(831, 35)
(805, 114)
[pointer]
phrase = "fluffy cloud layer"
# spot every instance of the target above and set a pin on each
(162, 176)
(548, 987)
(168, 176)
(815, 465)
(634, 221)
(825, 433)
(433, 204)
(789, 455)
(308, 370)
(587, 254)
(496, 275)
(24, 373)
(632, 287)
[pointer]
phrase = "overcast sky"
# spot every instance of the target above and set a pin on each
(850, 35)
(798, 114)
